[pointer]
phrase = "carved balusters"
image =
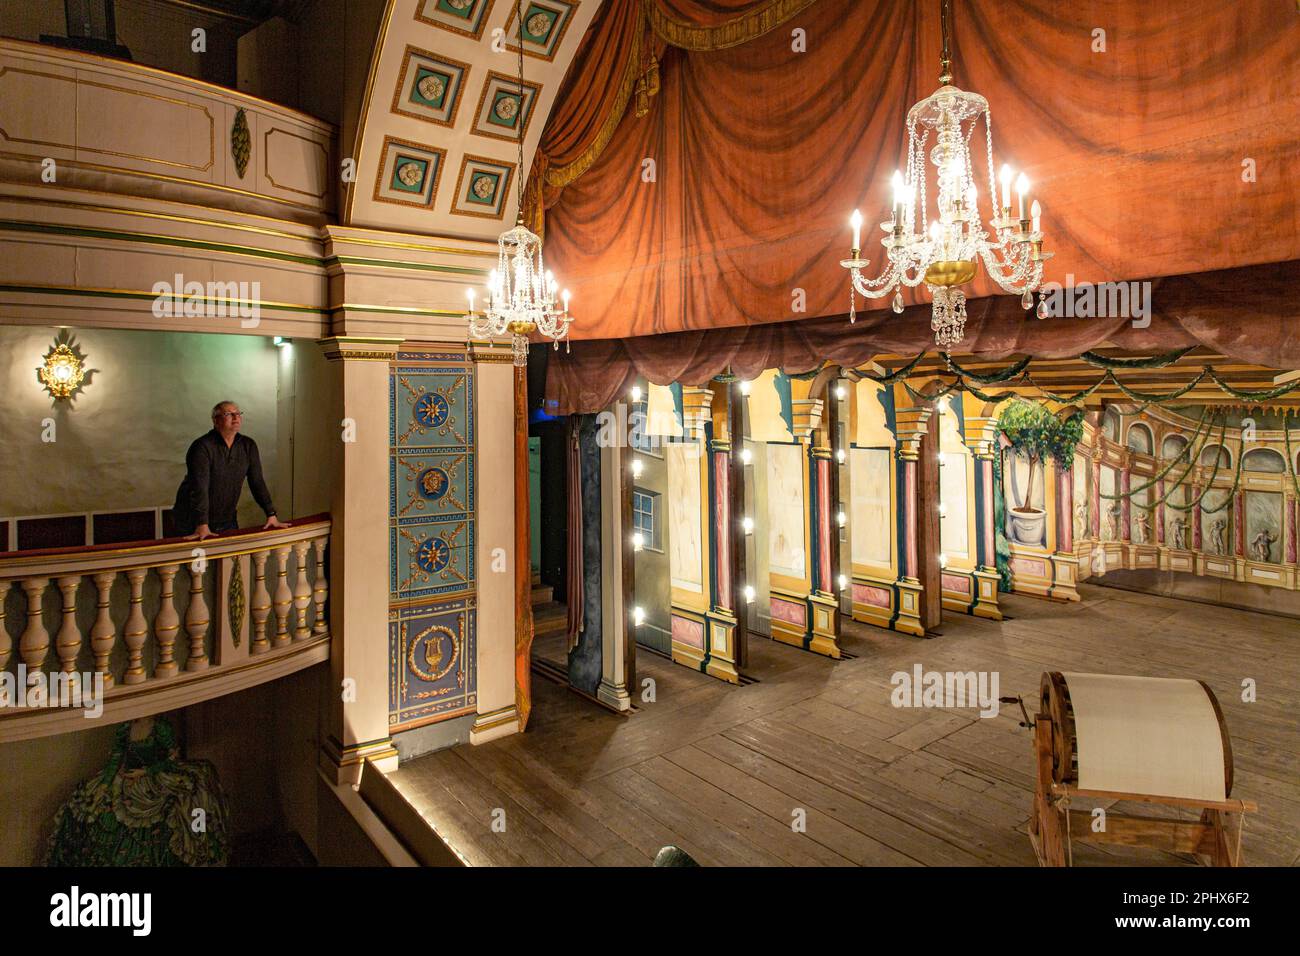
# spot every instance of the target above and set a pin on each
(67, 643)
(261, 604)
(6, 645)
(283, 597)
(166, 623)
(320, 589)
(135, 630)
(301, 591)
(34, 643)
(196, 620)
(102, 632)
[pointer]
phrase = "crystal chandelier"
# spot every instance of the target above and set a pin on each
(521, 293)
(945, 252)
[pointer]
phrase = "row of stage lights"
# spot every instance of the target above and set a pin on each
(747, 523)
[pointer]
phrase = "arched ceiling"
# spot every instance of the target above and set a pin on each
(437, 147)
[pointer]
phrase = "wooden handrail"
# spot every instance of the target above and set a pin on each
(16, 563)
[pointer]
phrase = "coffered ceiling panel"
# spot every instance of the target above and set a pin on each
(438, 144)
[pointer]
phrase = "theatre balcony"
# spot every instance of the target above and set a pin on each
(153, 626)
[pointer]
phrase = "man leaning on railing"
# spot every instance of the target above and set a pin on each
(215, 468)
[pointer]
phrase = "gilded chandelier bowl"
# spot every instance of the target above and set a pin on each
(522, 327)
(951, 272)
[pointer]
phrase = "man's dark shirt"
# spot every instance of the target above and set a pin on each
(214, 478)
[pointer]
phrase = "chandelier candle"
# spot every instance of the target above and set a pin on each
(945, 251)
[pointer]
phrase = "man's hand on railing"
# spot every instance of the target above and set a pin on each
(201, 532)
(274, 522)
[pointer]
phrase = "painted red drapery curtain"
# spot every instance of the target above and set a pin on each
(760, 150)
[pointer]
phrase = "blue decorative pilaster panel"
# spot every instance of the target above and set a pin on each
(431, 654)
(431, 543)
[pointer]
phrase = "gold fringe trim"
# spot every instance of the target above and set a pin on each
(744, 28)
(561, 176)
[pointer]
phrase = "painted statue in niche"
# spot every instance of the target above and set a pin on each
(1179, 528)
(1216, 524)
(1079, 476)
(1218, 527)
(785, 474)
(1141, 527)
(685, 553)
(1263, 523)
(1262, 544)
(1110, 508)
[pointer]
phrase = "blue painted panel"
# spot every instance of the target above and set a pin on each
(431, 661)
(431, 557)
(432, 483)
(432, 407)
(431, 561)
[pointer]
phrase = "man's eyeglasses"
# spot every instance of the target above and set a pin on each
(230, 414)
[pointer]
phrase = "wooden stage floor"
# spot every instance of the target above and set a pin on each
(719, 770)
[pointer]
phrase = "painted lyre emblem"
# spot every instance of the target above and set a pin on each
(433, 653)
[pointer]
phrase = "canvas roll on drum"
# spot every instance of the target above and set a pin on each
(1148, 740)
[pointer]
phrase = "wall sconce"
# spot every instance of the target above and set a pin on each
(749, 594)
(748, 524)
(638, 616)
(63, 369)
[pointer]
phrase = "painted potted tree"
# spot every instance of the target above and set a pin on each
(1034, 432)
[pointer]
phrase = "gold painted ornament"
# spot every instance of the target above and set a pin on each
(62, 372)
(241, 142)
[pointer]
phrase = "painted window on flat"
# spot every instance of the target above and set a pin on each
(646, 518)
(639, 433)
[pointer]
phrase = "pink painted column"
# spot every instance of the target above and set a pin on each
(1096, 498)
(1291, 519)
(1239, 530)
(1160, 513)
(1124, 483)
(824, 524)
(1064, 510)
(722, 529)
(1196, 518)
(909, 517)
(990, 558)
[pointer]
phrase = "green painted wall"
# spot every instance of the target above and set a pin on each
(121, 442)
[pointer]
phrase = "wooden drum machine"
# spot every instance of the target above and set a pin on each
(1140, 739)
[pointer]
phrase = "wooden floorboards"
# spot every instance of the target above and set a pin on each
(724, 771)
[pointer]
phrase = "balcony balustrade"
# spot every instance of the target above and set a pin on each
(157, 625)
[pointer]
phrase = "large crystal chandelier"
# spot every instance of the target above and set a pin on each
(945, 252)
(521, 293)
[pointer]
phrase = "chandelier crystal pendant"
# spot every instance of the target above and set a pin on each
(944, 251)
(522, 296)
